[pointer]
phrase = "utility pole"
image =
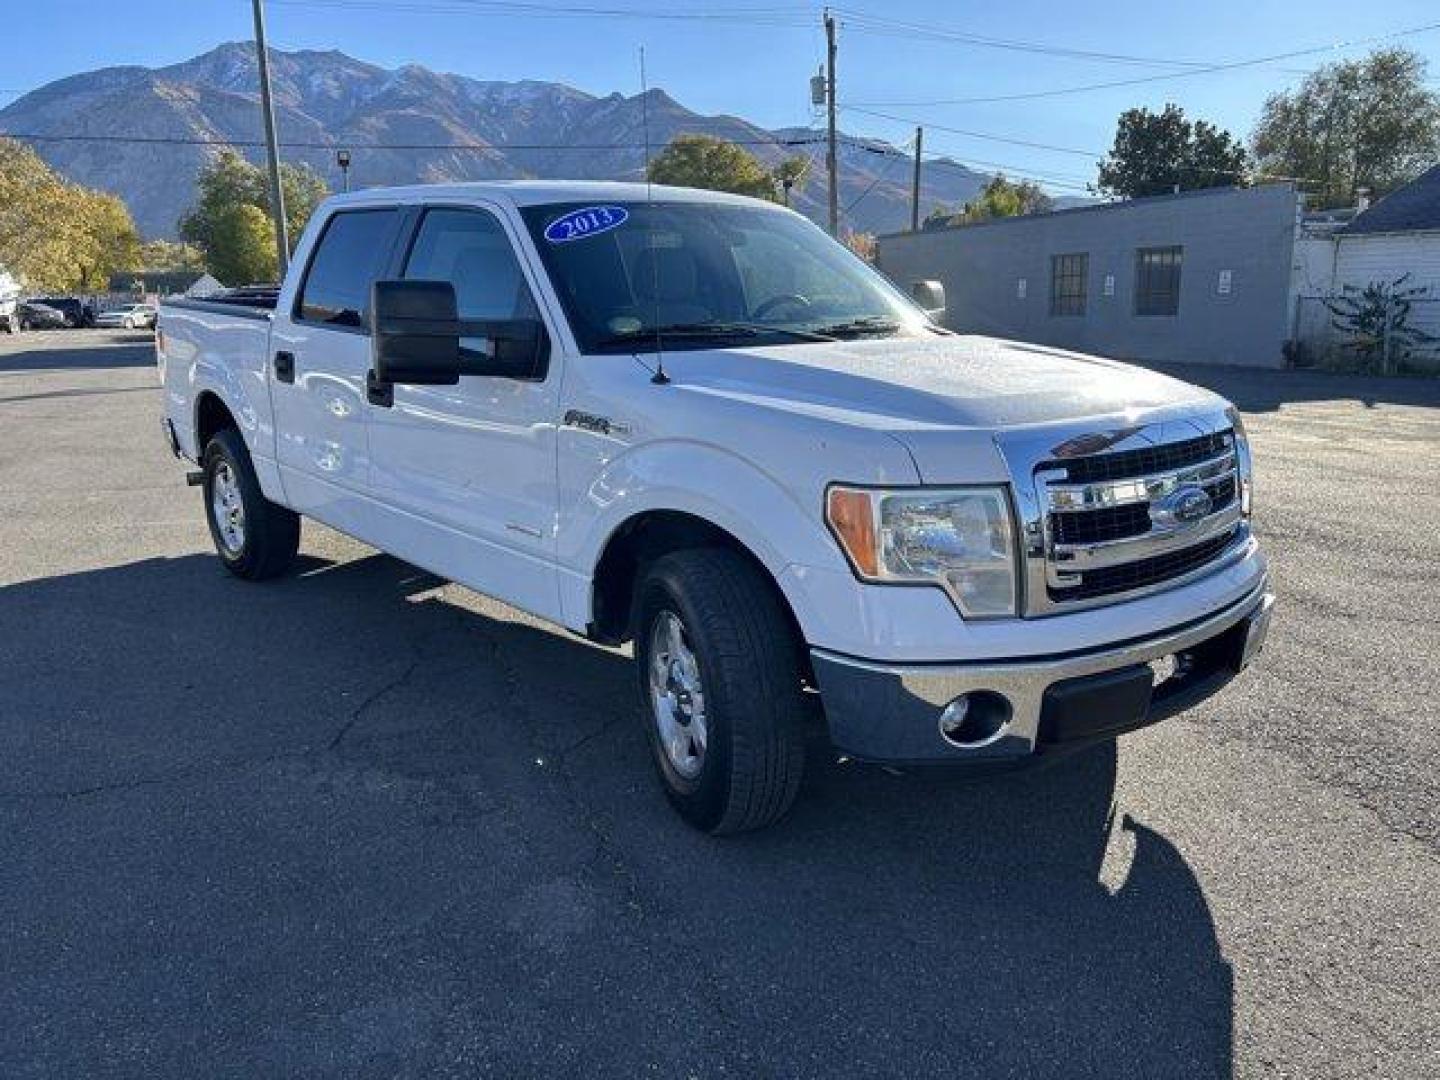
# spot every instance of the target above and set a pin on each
(915, 184)
(272, 143)
(831, 162)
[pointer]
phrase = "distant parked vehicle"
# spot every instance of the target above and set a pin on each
(77, 313)
(129, 317)
(37, 316)
(9, 303)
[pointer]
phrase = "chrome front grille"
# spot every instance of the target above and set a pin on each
(1108, 516)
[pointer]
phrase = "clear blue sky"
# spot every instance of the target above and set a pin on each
(754, 60)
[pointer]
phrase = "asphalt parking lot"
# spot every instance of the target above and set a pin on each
(357, 822)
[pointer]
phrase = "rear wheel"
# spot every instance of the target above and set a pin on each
(255, 538)
(720, 681)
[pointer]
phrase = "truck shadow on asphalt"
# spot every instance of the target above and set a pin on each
(347, 824)
(1259, 390)
(78, 354)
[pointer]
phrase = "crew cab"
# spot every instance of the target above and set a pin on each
(695, 422)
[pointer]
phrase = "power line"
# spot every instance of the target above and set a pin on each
(767, 16)
(898, 28)
(1207, 70)
(146, 140)
(970, 165)
(1092, 154)
(976, 134)
(882, 174)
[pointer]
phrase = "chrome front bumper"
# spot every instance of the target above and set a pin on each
(892, 713)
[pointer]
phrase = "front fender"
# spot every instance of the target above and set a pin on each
(769, 518)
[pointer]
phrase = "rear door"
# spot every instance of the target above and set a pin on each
(319, 356)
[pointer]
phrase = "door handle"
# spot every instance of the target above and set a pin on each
(285, 366)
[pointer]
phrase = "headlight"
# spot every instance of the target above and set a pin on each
(961, 539)
(1242, 457)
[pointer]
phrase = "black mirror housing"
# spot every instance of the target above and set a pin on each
(414, 333)
(930, 295)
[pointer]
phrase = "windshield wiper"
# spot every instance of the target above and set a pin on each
(872, 324)
(718, 330)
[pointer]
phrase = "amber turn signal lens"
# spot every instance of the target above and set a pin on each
(851, 516)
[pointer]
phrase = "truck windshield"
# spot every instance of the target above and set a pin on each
(708, 274)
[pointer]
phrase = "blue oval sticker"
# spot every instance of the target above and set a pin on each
(587, 221)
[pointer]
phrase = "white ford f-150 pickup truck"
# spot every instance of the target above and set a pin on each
(694, 421)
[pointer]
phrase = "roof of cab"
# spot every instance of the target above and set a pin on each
(536, 192)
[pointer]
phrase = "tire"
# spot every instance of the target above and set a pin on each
(268, 535)
(739, 768)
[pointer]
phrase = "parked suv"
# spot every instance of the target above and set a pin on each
(77, 312)
(36, 315)
(694, 422)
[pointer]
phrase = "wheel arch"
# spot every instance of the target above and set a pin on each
(641, 539)
(212, 415)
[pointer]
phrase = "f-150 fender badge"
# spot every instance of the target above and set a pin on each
(600, 425)
(587, 221)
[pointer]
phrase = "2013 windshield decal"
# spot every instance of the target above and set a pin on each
(587, 221)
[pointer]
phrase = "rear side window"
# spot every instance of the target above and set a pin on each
(350, 255)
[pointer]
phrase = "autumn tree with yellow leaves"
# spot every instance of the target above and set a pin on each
(56, 236)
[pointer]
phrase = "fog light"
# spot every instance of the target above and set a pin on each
(974, 719)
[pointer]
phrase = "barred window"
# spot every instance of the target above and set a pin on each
(1067, 283)
(1157, 280)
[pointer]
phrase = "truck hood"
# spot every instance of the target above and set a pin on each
(896, 384)
(943, 399)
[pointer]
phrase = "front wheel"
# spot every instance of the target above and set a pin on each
(720, 681)
(255, 538)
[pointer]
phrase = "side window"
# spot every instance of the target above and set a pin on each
(349, 256)
(469, 249)
(1157, 280)
(1067, 283)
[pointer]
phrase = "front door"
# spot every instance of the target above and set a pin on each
(319, 356)
(473, 465)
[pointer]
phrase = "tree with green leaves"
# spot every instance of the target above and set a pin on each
(239, 245)
(790, 175)
(169, 255)
(1000, 198)
(1369, 123)
(1157, 153)
(700, 161)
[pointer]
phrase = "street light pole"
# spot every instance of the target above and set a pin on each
(831, 161)
(272, 143)
(915, 184)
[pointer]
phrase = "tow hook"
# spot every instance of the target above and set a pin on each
(195, 479)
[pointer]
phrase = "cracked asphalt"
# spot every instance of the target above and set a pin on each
(358, 822)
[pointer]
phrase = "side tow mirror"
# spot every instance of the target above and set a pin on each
(930, 295)
(414, 337)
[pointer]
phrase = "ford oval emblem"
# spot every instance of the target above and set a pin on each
(1183, 506)
(587, 221)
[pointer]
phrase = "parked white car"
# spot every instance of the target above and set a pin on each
(129, 317)
(695, 422)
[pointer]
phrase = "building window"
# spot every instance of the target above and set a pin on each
(1157, 281)
(1067, 284)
